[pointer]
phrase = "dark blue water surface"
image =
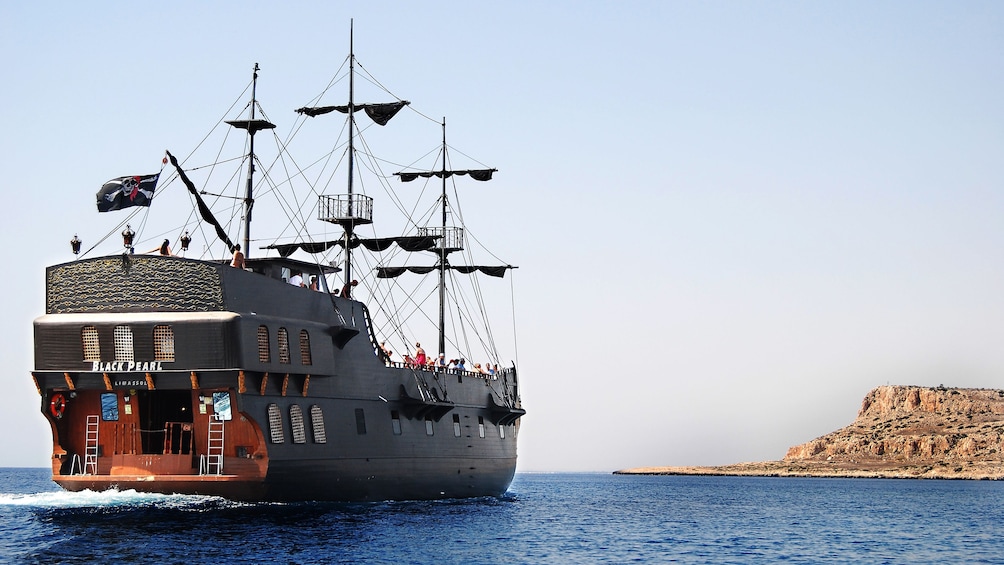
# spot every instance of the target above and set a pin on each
(544, 518)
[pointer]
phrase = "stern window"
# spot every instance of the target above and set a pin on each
(481, 426)
(429, 427)
(163, 343)
(92, 347)
(456, 425)
(317, 423)
(283, 346)
(123, 343)
(304, 347)
(275, 424)
(296, 423)
(263, 355)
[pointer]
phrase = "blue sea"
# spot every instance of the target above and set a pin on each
(544, 518)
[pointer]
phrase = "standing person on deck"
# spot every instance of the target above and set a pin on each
(238, 260)
(420, 358)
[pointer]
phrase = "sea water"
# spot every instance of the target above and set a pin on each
(544, 518)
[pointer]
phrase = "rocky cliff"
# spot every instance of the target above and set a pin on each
(900, 431)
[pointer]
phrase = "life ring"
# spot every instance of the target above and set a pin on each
(57, 405)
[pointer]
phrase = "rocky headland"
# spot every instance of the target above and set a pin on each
(900, 432)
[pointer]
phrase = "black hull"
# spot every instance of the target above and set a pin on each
(389, 479)
(313, 415)
(334, 481)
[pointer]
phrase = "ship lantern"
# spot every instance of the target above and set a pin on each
(185, 240)
(75, 244)
(127, 235)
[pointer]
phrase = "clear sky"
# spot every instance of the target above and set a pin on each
(731, 219)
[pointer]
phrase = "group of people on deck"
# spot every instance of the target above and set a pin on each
(295, 279)
(421, 360)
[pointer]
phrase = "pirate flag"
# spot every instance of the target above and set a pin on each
(123, 192)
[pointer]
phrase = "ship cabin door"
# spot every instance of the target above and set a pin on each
(166, 420)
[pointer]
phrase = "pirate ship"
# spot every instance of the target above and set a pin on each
(163, 373)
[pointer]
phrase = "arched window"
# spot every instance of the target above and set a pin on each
(296, 423)
(92, 348)
(304, 347)
(123, 343)
(275, 424)
(163, 343)
(283, 346)
(263, 354)
(317, 424)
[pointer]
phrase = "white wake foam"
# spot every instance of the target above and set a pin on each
(104, 499)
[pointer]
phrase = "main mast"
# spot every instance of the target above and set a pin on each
(442, 256)
(348, 226)
(349, 210)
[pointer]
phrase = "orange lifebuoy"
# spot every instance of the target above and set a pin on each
(57, 405)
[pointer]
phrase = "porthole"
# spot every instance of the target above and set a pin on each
(395, 422)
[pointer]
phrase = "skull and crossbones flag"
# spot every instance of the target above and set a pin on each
(123, 192)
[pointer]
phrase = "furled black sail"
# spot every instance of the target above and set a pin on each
(476, 174)
(379, 113)
(408, 243)
(492, 271)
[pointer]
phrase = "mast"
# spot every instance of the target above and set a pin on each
(252, 125)
(349, 210)
(442, 257)
(248, 196)
(352, 154)
(449, 238)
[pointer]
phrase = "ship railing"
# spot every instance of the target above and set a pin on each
(450, 371)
